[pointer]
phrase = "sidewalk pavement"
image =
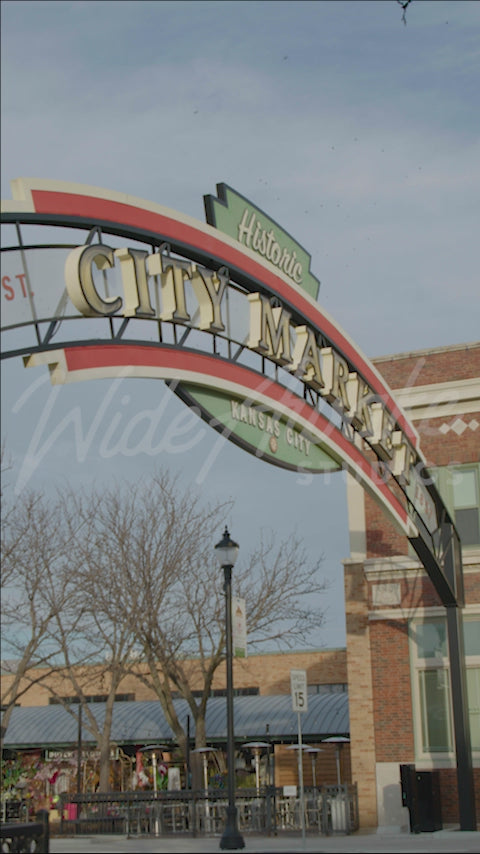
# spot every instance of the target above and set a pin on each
(440, 841)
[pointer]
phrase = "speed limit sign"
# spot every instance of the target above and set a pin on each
(298, 687)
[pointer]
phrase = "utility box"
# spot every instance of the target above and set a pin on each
(421, 795)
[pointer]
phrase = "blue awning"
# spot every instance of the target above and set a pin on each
(137, 723)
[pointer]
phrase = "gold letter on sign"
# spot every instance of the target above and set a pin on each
(269, 330)
(306, 358)
(135, 284)
(209, 288)
(79, 280)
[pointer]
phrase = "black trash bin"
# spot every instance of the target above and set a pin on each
(421, 794)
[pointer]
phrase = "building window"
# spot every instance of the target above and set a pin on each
(431, 684)
(237, 692)
(459, 487)
(222, 692)
(431, 639)
(328, 688)
(436, 734)
(467, 506)
(473, 690)
(90, 698)
(471, 631)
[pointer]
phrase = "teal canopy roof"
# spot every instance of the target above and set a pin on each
(140, 723)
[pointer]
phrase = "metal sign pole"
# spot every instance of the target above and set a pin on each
(300, 777)
(298, 687)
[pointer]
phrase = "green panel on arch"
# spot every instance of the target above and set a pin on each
(259, 430)
(238, 217)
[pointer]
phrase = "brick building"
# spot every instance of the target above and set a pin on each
(266, 675)
(396, 665)
(397, 651)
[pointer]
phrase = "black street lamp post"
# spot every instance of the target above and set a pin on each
(226, 551)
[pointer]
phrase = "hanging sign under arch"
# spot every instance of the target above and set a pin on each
(100, 284)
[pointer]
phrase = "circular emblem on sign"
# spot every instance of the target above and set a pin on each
(273, 445)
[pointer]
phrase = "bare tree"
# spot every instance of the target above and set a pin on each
(404, 4)
(126, 575)
(34, 591)
(104, 649)
(50, 626)
(89, 641)
(145, 543)
(151, 549)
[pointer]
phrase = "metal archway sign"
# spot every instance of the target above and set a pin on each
(99, 284)
(226, 313)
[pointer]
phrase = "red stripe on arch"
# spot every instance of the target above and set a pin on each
(93, 357)
(121, 213)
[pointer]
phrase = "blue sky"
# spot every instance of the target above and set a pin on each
(356, 133)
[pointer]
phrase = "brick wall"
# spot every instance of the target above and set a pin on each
(440, 444)
(270, 673)
(391, 691)
(360, 692)
(430, 366)
(378, 661)
(382, 536)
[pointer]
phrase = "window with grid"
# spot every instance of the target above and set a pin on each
(459, 487)
(433, 718)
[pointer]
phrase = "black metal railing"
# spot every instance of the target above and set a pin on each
(26, 836)
(328, 810)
